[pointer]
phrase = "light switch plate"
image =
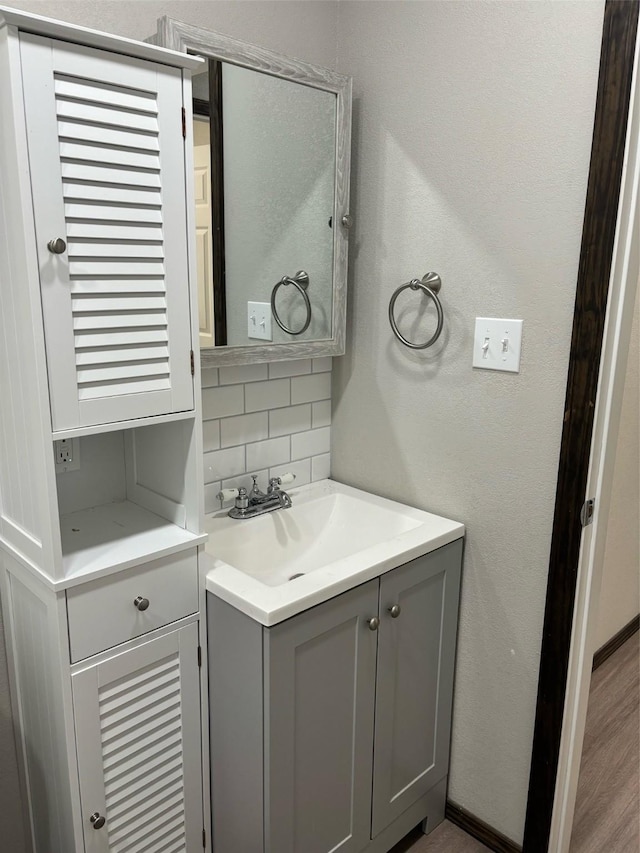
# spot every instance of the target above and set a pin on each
(497, 344)
(259, 321)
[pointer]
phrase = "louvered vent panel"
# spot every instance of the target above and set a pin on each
(141, 741)
(111, 178)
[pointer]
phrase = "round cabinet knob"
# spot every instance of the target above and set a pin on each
(97, 820)
(347, 221)
(141, 603)
(373, 623)
(394, 611)
(57, 246)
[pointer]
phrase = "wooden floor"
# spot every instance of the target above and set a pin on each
(445, 838)
(607, 816)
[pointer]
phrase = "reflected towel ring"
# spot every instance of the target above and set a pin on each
(301, 282)
(430, 285)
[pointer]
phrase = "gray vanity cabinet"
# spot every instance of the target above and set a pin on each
(346, 700)
(414, 683)
(320, 679)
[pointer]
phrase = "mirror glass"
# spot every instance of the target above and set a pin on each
(265, 178)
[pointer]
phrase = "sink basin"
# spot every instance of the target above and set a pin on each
(333, 538)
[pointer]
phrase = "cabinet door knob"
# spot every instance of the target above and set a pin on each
(373, 623)
(97, 820)
(57, 246)
(394, 610)
(141, 603)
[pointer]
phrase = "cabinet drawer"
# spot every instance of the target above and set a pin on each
(102, 613)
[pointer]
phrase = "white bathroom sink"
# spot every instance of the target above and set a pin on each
(333, 538)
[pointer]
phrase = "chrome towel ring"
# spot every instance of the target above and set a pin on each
(301, 282)
(430, 286)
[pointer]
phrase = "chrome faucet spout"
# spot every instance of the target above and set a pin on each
(258, 502)
(284, 499)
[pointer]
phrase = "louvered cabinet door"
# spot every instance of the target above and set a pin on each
(137, 718)
(106, 156)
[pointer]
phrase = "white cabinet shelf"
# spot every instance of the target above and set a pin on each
(117, 536)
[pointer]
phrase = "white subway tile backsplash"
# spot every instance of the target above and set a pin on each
(308, 389)
(243, 373)
(321, 414)
(264, 454)
(291, 419)
(302, 470)
(209, 377)
(243, 429)
(267, 419)
(222, 402)
(321, 467)
(311, 443)
(210, 435)
(322, 365)
(278, 369)
(273, 394)
(222, 464)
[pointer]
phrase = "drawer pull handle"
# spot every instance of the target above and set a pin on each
(141, 603)
(394, 611)
(97, 820)
(373, 623)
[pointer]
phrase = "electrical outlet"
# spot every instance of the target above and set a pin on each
(67, 454)
(259, 321)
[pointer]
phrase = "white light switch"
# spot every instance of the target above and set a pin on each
(259, 320)
(496, 344)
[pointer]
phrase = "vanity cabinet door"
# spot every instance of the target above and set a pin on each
(137, 715)
(320, 683)
(106, 155)
(416, 651)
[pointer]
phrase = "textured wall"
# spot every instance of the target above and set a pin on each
(304, 30)
(620, 592)
(472, 137)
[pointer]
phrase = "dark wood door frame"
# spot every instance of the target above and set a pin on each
(601, 212)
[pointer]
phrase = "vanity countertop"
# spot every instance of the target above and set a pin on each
(332, 539)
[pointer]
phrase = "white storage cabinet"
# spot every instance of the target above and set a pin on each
(99, 568)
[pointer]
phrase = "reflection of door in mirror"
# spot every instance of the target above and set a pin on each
(204, 251)
(273, 173)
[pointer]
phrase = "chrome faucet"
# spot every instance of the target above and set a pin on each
(258, 502)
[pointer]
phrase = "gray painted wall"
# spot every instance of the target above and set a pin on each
(473, 125)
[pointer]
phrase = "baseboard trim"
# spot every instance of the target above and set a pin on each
(480, 830)
(615, 642)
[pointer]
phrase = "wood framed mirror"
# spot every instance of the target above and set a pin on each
(271, 157)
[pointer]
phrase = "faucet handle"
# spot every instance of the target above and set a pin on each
(285, 479)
